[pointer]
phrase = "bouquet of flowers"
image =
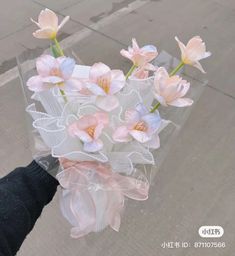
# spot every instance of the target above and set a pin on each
(102, 125)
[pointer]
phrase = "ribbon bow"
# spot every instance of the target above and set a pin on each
(93, 195)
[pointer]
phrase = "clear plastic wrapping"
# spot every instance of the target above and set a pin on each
(95, 184)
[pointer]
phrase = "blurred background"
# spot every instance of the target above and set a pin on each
(196, 184)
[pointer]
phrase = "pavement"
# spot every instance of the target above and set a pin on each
(195, 186)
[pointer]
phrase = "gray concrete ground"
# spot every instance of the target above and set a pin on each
(196, 185)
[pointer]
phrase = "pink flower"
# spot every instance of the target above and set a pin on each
(105, 83)
(88, 129)
(143, 72)
(194, 51)
(171, 90)
(140, 56)
(141, 126)
(54, 72)
(93, 195)
(48, 25)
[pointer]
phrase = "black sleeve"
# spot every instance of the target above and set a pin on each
(23, 194)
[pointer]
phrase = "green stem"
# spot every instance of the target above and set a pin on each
(63, 94)
(177, 68)
(59, 49)
(131, 71)
(57, 52)
(155, 107)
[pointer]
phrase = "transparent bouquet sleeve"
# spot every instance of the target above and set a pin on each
(95, 185)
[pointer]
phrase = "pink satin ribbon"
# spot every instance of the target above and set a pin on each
(93, 196)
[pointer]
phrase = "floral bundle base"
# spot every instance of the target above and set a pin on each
(102, 125)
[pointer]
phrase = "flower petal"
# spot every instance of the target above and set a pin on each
(35, 22)
(83, 136)
(97, 70)
(107, 103)
(140, 56)
(78, 128)
(102, 118)
(65, 20)
(149, 49)
(153, 121)
(139, 59)
(173, 81)
(185, 89)
(86, 121)
(195, 48)
(140, 73)
(160, 79)
(182, 47)
(45, 33)
(36, 84)
(150, 67)
(198, 65)
(67, 66)
(52, 80)
(48, 18)
(135, 45)
(160, 99)
(150, 52)
(121, 134)
(73, 84)
(171, 92)
(126, 54)
(140, 136)
(141, 109)
(93, 146)
(132, 116)
(206, 55)
(45, 64)
(98, 131)
(95, 89)
(154, 142)
(118, 81)
(181, 102)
